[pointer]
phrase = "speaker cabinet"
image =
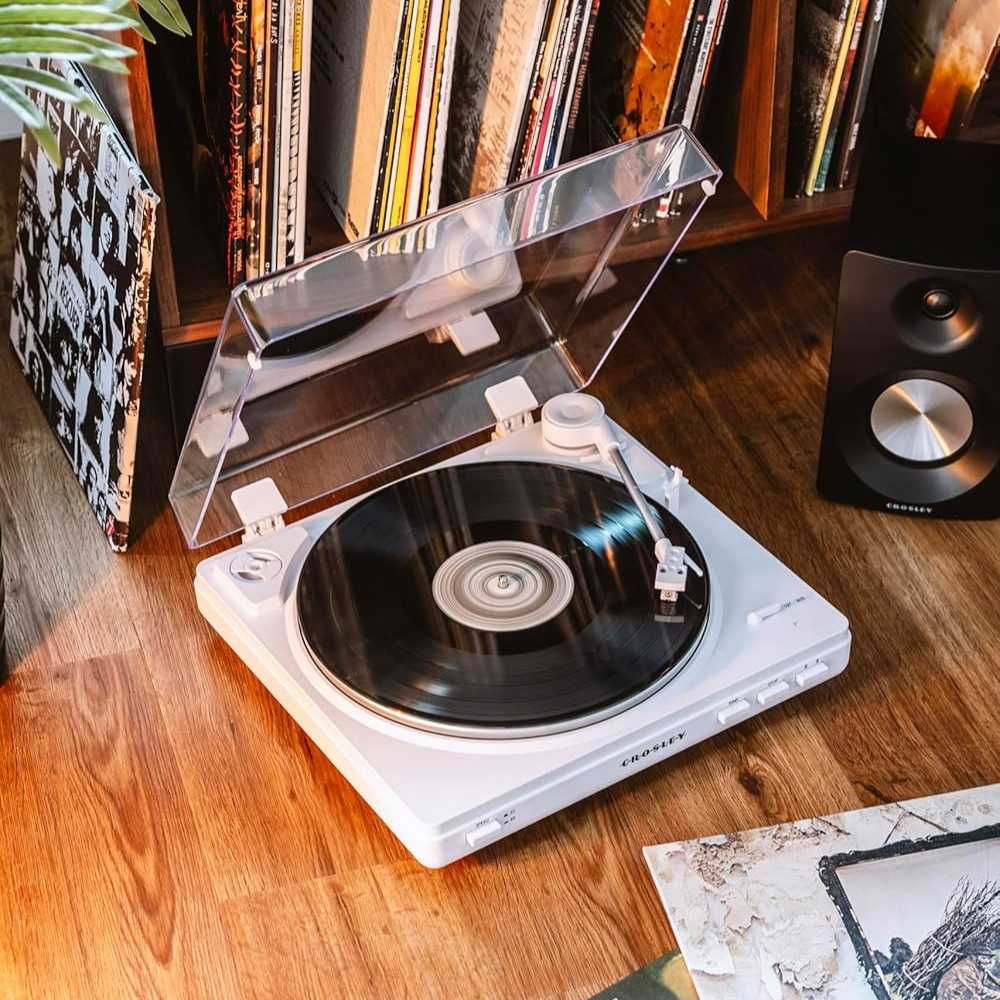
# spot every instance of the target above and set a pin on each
(912, 421)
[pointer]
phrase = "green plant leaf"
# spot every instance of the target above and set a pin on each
(142, 29)
(45, 48)
(26, 110)
(42, 79)
(45, 138)
(60, 35)
(22, 105)
(168, 13)
(90, 107)
(127, 9)
(90, 18)
(52, 83)
(114, 6)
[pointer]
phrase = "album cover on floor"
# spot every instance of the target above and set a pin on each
(665, 978)
(82, 265)
(896, 902)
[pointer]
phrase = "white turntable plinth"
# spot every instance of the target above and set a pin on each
(769, 636)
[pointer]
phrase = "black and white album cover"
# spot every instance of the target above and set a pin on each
(82, 264)
(944, 944)
(899, 901)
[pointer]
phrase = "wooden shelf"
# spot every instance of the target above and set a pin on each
(731, 217)
(746, 129)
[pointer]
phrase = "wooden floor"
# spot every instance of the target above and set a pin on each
(166, 830)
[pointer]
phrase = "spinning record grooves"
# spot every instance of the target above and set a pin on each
(497, 599)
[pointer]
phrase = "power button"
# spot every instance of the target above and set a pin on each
(483, 834)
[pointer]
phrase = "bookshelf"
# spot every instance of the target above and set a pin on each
(746, 131)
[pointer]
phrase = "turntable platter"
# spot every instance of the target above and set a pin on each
(496, 599)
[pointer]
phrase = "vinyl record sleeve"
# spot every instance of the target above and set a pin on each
(82, 265)
(354, 78)
(637, 49)
(494, 62)
(857, 96)
(819, 31)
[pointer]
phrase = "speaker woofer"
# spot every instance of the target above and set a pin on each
(921, 420)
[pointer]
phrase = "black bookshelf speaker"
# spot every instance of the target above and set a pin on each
(912, 422)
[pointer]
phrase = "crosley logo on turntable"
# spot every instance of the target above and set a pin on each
(654, 748)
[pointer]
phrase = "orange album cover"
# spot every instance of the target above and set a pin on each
(964, 57)
(636, 50)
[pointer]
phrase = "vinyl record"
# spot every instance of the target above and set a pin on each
(495, 599)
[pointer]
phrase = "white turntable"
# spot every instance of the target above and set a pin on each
(484, 642)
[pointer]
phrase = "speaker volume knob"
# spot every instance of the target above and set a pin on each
(921, 420)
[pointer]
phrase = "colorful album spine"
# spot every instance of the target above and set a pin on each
(297, 249)
(377, 217)
(858, 96)
(819, 31)
(255, 145)
(709, 76)
(383, 181)
(430, 182)
(272, 72)
(295, 130)
(831, 97)
(550, 108)
(282, 149)
(409, 119)
(581, 76)
(693, 40)
(548, 101)
(235, 173)
(424, 101)
(567, 83)
(527, 130)
(701, 64)
(841, 100)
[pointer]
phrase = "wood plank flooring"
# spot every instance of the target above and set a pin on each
(166, 830)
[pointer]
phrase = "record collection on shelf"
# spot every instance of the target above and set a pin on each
(934, 70)
(418, 103)
(405, 106)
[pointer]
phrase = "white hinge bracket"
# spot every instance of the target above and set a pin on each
(260, 506)
(512, 403)
(672, 488)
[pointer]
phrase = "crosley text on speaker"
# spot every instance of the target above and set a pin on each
(912, 421)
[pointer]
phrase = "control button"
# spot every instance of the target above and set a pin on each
(732, 712)
(812, 673)
(483, 834)
(772, 693)
(759, 615)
